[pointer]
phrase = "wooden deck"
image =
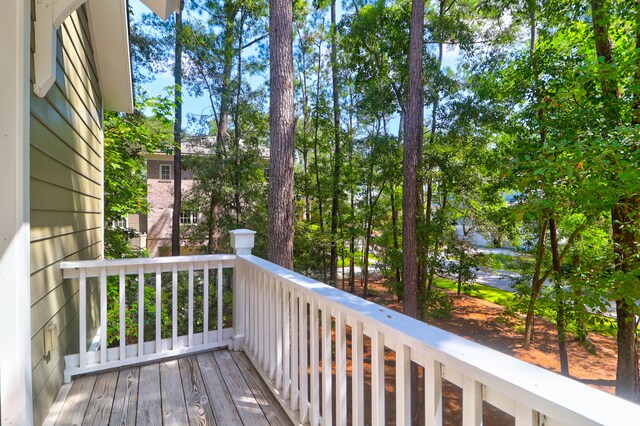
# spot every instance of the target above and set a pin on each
(218, 387)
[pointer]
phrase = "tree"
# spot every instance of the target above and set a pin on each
(127, 137)
(412, 149)
(625, 213)
(280, 221)
(337, 156)
(177, 137)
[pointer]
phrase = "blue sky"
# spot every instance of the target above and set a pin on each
(200, 105)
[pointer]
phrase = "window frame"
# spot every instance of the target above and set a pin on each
(189, 218)
(161, 177)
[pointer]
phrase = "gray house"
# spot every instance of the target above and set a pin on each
(64, 62)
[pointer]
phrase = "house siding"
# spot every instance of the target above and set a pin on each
(66, 202)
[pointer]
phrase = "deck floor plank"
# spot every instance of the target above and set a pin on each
(101, 402)
(211, 388)
(224, 409)
(75, 406)
(248, 407)
(199, 409)
(174, 408)
(126, 398)
(270, 406)
(149, 402)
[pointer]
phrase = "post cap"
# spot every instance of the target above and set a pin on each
(242, 240)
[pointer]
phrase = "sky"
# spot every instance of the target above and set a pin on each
(200, 105)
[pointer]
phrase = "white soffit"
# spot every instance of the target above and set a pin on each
(162, 8)
(109, 23)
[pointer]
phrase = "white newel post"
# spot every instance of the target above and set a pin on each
(242, 242)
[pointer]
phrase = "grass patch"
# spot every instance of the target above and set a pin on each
(595, 323)
(491, 294)
(510, 263)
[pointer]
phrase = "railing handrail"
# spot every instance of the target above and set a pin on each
(75, 264)
(544, 391)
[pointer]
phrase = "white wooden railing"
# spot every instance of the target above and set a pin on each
(198, 268)
(294, 329)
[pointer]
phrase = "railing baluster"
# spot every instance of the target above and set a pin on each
(190, 307)
(246, 281)
(174, 307)
(123, 324)
(341, 369)
(525, 415)
(295, 367)
(251, 293)
(261, 319)
(315, 365)
(403, 385)
(158, 309)
(103, 315)
(271, 360)
(357, 368)
(267, 323)
(279, 309)
(433, 393)
(304, 375)
(140, 310)
(83, 317)
(219, 289)
(286, 342)
(471, 402)
(255, 293)
(327, 393)
(377, 378)
(205, 305)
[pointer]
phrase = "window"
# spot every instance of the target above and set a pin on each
(165, 171)
(120, 222)
(188, 218)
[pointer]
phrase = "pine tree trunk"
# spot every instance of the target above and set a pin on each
(415, 120)
(280, 220)
(177, 137)
(337, 157)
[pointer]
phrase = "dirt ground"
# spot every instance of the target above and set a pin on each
(482, 322)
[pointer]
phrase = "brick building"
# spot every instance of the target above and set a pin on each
(155, 227)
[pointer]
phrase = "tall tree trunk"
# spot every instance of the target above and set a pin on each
(536, 285)
(415, 121)
(317, 167)
(412, 149)
(624, 214)
(177, 137)
(337, 157)
(280, 220)
(560, 317)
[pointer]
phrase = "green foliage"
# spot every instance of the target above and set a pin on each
(166, 313)
(127, 138)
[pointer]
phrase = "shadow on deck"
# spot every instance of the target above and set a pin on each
(217, 387)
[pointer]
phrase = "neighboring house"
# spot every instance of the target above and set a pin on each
(158, 222)
(156, 225)
(63, 62)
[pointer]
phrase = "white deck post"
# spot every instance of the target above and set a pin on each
(242, 242)
(15, 333)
